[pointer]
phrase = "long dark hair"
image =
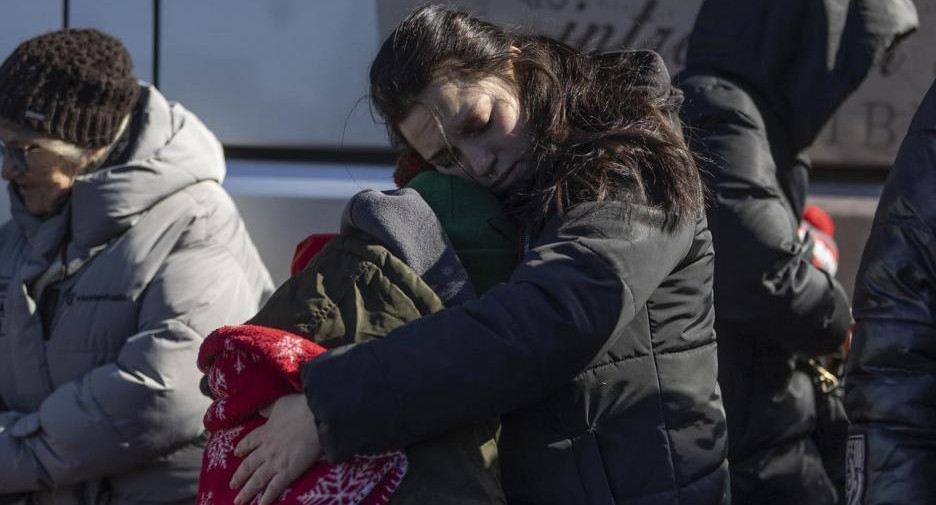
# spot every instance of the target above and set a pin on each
(604, 126)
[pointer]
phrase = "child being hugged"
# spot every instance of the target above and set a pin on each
(438, 242)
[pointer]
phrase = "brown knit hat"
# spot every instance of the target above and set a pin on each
(76, 85)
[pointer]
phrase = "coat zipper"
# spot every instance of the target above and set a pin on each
(524, 241)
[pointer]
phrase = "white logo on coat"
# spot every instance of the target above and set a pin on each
(855, 470)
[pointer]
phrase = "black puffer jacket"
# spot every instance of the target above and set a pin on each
(891, 378)
(599, 353)
(759, 87)
(773, 304)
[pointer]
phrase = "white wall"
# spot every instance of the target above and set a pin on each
(283, 72)
(283, 203)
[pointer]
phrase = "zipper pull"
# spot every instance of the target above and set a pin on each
(63, 272)
(524, 241)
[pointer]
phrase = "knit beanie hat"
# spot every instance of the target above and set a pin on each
(76, 85)
(484, 239)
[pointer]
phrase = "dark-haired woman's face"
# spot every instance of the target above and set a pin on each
(472, 129)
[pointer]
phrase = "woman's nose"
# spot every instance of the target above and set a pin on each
(10, 169)
(479, 159)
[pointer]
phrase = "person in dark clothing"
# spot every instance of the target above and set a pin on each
(599, 353)
(762, 79)
(889, 378)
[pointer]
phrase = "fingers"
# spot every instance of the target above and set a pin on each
(274, 489)
(247, 469)
(250, 442)
(257, 483)
(276, 452)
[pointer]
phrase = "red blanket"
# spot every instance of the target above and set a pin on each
(248, 368)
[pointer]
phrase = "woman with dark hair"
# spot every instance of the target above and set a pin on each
(598, 354)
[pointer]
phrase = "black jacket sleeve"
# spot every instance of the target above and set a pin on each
(523, 339)
(891, 376)
(765, 282)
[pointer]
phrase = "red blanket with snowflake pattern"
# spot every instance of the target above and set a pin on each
(249, 367)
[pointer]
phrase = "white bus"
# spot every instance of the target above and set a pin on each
(283, 83)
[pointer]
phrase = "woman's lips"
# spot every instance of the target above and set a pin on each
(502, 178)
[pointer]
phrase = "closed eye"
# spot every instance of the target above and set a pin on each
(27, 150)
(478, 122)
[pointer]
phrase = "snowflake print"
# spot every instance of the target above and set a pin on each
(217, 382)
(206, 498)
(289, 348)
(220, 447)
(216, 410)
(238, 363)
(344, 484)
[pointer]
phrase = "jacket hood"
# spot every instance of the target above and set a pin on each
(405, 224)
(645, 73)
(803, 57)
(168, 150)
(173, 150)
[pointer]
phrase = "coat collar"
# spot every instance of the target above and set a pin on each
(172, 150)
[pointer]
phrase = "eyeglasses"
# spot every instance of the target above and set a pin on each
(17, 156)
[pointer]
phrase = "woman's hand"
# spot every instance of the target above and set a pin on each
(278, 451)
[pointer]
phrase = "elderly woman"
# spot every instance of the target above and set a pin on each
(123, 252)
(598, 353)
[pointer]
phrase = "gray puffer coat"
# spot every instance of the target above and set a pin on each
(99, 397)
